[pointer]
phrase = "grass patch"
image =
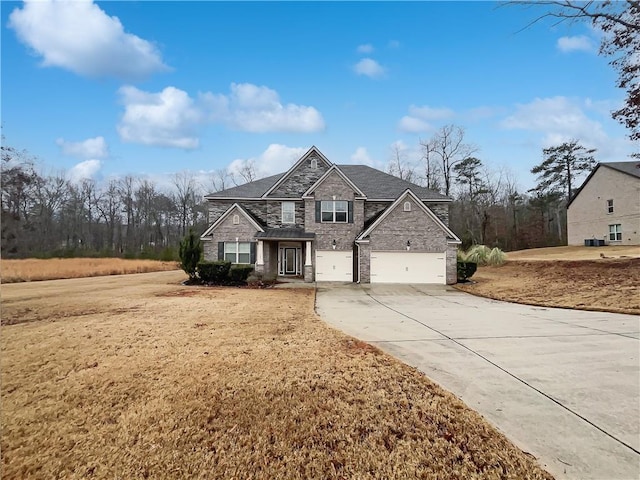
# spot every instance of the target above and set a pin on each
(32, 269)
(152, 380)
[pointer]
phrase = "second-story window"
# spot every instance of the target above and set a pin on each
(610, 206)
(334, 211)
(288, 212)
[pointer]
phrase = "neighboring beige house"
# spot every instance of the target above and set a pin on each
(607, 206)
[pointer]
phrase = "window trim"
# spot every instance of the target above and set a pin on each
(407, 206)
(615, 231)
(334, 211)
(292, 212)
(610, 206)
(236, 219)
(314, 164)
(237, 252)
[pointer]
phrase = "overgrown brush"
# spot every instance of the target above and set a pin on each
(482, 255)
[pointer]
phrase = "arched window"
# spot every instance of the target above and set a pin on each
(314, 163)
(407, 206)
(236, 219)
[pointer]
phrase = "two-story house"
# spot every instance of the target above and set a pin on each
(327, 222)
(606, 208)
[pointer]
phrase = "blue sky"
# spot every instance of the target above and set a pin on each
(151, 88)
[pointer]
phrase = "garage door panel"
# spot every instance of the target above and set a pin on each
(408, 267)
(334, 266)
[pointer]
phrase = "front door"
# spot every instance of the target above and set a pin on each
(290, 261)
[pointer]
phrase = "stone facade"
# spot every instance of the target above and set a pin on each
(226, 231)
(301, 178)
(588, 215)
(274, 215)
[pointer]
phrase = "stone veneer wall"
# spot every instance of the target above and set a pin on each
(301, 179)
(343, 233)
(228, 232)
(274, 215)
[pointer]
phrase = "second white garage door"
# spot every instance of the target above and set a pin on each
(332, 266)
(408, 267)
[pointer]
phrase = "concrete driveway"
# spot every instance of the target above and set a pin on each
(564, 385)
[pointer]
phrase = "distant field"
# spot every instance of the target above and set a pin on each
(31, 269)
(575, 253)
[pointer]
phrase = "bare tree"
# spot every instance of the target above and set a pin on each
(219, 180)
(447, 145)
(432, 171)
(187, 196)
(245, 174)
(399, 166)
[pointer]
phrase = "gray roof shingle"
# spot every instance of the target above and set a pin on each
(375, 184)
(632, 168)
(253, 189)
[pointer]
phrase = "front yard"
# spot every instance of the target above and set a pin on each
(139, 377)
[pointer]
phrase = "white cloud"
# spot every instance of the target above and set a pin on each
(89, 148)
(79, 36)
(560, 119)
(419, 117)
(575, 43)
(369, 67)
(165, 119)
(254, 108)
(275, 159)
(410, 124)
(366, 48)
(171, 118)
(361, 156)
(84, 170)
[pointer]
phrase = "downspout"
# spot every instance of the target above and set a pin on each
(358, 245)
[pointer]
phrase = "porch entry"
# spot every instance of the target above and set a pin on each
(289, 258)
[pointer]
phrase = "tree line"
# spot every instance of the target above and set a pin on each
(49, 215)
(488, 207)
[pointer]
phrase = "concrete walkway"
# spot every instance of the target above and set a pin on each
(563, 385)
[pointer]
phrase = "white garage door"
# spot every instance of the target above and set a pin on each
(408, 267)
(332, 266)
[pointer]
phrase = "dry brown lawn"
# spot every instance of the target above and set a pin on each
(31, 269)
(576, 253)
(137, 376)
(605, 284)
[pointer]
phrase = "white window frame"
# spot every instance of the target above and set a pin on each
(610, 206)
(236, 219)
(289, 213)
(615, 232)
(314, 164)
(407, 206)
(233, 248)
(331, 207)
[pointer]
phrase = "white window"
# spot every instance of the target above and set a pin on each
(610, 206)
(288, 212)
(237, 252)
(407, 206)
(615, 232)
(314, 163)
(334, 211)
(236, 219)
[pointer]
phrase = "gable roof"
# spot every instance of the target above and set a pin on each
(630, 168)
(451, 237)
(246, 214)
(254, 189)
(334, 169)
(372, 183)
(286, 175)
(378, 185)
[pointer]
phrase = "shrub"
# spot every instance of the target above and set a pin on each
(478, 254)
(466, 270)
(214, 272)
(240, 273)
(190, 253)
(496, 257)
